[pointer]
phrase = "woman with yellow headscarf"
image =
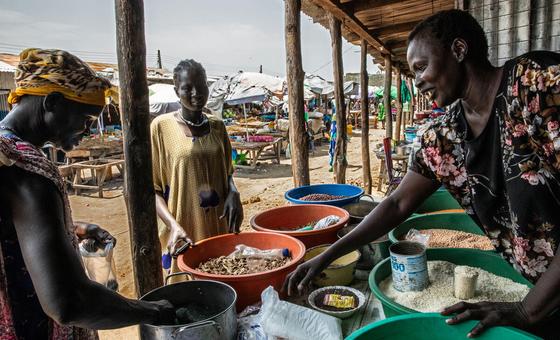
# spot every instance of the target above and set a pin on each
(44, 291)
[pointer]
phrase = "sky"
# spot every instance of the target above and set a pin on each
(224, 35)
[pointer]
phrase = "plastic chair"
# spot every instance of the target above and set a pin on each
(394, 178)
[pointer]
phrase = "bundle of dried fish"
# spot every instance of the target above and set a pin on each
(225, 265)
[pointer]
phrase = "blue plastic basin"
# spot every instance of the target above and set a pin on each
(352, 192)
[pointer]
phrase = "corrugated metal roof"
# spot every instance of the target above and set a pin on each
(4, 67)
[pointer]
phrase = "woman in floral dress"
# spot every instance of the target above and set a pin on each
(497, 151)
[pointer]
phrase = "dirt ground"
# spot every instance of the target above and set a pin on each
(260, 189)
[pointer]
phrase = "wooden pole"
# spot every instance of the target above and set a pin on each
(299, 143)
(399, 106)
(366, 164)
(413, 102)
(340, 161)
(140, 195)
(387, 97)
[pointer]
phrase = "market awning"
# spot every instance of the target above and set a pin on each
(243, 88)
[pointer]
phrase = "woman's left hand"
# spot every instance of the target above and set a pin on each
(233, 210)
(93, 231)
(490, 314)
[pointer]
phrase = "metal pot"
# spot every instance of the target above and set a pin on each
(215, 295)
(359, 210)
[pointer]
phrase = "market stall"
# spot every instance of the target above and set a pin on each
(257, 150)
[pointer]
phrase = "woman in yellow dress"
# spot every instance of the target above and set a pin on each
(196, 197)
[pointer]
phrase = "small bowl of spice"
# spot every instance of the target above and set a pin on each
(339, 301)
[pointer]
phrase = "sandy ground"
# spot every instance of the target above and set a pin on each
(260, 189)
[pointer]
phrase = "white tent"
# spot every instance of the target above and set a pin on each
(318, 85)
(163, 99)
(371, 92)
(243, 88)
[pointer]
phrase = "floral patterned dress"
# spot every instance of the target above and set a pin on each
(508, 177)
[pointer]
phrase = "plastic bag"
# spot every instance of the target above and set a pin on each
(99, 263)
(242, 251)
(287, 320)
(326, 222)
(248, 325)
(416, 236)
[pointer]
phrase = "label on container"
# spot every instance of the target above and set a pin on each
(410, 272)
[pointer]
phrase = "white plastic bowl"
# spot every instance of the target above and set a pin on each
(339, 314)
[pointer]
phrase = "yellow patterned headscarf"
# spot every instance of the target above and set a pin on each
(41, 72)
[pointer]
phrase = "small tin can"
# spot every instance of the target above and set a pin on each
(409, 266)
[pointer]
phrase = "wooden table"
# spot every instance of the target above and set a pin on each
(100, 170)
(94, 149)
(255, 150)
(382, 176)
(89, 153)
(371, 312)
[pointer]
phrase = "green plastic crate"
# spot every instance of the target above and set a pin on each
(431, 326)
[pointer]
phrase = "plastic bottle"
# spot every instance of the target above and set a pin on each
(243, 251)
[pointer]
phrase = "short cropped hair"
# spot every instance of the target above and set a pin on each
(187, 64)
(449, 25)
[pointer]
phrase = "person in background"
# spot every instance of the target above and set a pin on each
(497, 151)
(381, 113)
(44, 290)
(196, 197)
(332, 136)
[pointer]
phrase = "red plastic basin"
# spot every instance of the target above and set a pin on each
(250, 286)
(277, 220)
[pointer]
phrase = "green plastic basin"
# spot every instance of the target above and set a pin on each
(431, 326)
(453, 221)
(439, 200)
(488, 261)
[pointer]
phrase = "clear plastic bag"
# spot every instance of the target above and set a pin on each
(416, 236)
(99, 263)
(248, 324)
(326, 222)
(287, 320)
(242, 251)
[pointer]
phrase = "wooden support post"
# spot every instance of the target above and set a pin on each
(299, 143)
(399, 105)
(387, 97)
(364, 79)
(413, 102)
(140, 196)
(340, 161)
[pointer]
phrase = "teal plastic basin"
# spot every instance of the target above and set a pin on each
(431, 326)
(453, 221)
(488, 261)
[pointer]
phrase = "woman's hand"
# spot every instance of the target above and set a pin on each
(233, 210)
(490, 314)
(165, 313)
(300, 278)
(93, 231)
(177, 239)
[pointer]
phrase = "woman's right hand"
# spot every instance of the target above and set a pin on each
(165, 313)
(300, 279)
(177, 238)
